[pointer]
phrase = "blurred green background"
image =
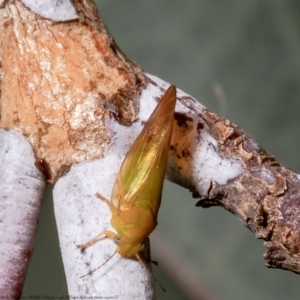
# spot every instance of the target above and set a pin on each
(241, 59)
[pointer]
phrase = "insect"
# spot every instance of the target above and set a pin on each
(136, 194)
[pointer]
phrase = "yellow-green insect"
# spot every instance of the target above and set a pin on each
(136, 194)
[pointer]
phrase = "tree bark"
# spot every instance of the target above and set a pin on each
(80, 103)
(22, 188)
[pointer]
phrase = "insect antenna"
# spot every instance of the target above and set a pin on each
(149, 270)
(91, 272)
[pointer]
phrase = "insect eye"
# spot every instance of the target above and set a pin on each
(116, 239)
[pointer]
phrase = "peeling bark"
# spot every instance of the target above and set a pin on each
(65, 77)
(60, 83)
(265, 196)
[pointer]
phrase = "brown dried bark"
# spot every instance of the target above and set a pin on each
(56, 81)
(265, 197)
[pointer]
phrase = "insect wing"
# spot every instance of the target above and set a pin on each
(140, 179)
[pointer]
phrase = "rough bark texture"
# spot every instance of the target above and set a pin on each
(58, 80)
(265, 197)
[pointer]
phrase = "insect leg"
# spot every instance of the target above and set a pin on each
(102, 235)
(103, 199)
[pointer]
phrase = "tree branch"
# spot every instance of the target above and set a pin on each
(71, 91)
(22, 187)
